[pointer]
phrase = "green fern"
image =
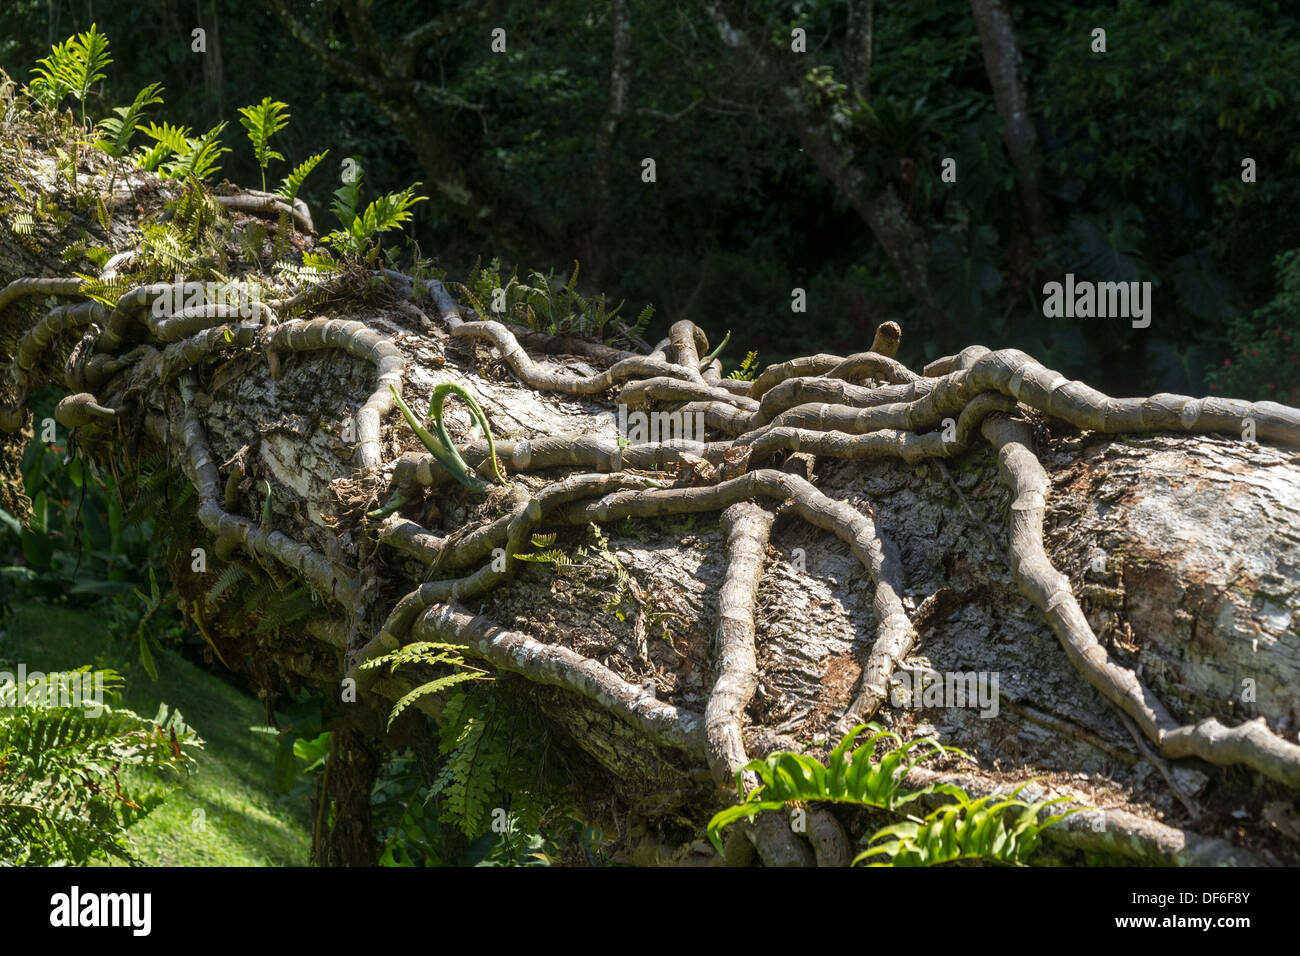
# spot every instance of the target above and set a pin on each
(194, 213)
(477, 760)
(165, 247)
(262, 122)
(387, 212)
(961, 829)
(293, 182)
(231, 577)
(346, 197)
(748, 368)
(22, 224)
(288, 608)
(579, 562)
(199, 161)
(191, 157)
(105, 291)
(429, 653)
(72, 68)
(549, 556)
(72, 784)
(304, 274)
(122, 127)
(640, 325)
(168, 140)
(1005, 831)
(544, 304)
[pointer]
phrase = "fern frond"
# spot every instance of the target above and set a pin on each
(346, 197)
(293, 182)
(748, 368)
(72, 68)
(198, 160)
(263, 121)
(231, 576)
(122, 127)
(72, 783)
(477, 759)
(106, 291)
(426, 653)
(961, 828)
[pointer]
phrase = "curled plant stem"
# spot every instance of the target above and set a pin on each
(708, 359)
(441, 447)
(388, 507)
(440, 394)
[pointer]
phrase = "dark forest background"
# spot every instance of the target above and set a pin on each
(776, 170)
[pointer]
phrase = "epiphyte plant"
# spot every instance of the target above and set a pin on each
(440, 445)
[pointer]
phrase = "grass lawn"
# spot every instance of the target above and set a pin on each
(244, 822)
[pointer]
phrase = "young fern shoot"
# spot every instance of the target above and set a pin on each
(72, 68)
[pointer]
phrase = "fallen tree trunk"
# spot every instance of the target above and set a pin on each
(1110, 586)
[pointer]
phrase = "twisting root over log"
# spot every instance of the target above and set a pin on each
(561, 667)
(1251, 743)
(271, 205)
(313, 566)
(748, 528)
(861, 406)
(534, 375)
(38, 339)
(38, 285)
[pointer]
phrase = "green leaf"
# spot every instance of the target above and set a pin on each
(122, 127)
(263, 121)
(293, 182)
(146, 658)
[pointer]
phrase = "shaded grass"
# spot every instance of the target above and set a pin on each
(226, 812)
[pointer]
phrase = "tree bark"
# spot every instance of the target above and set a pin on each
(1002, 64)
(1164, 602)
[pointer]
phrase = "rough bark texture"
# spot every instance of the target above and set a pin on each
(1002, 63)
(1181, 549)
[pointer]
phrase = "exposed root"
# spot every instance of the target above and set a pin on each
(748, 528)
(269, 204)
(811, 406)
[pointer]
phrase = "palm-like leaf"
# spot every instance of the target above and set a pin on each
(293, 182)
(72, 68)
(960, 829)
